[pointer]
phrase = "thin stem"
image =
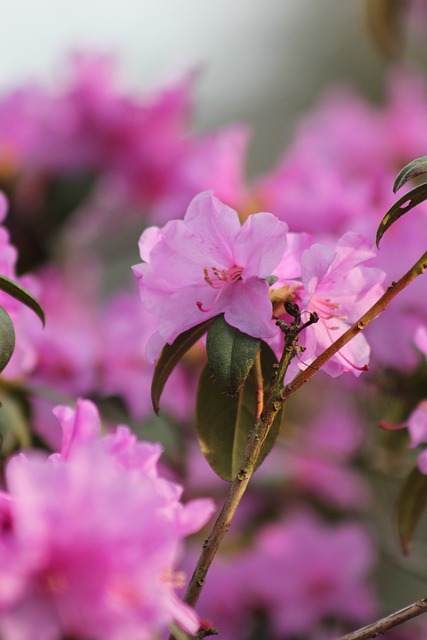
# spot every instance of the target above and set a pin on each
(259, 385)
(391, 292)
(240, 483)
(393, 620)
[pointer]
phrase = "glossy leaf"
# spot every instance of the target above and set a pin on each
(402, 206)
(231, 354)
(417, 167)
(7, 338)
(224, 422)
(22, 295)
(170, 356)
(411, 504)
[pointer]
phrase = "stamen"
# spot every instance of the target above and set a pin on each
(220, 279)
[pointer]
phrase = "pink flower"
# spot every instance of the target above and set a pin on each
(207, 264)
(339, 288)
(91, 536)
(300, 573)
(123, 368)
(68, 347)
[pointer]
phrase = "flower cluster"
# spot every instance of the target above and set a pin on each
(89, 538)
(208, 264)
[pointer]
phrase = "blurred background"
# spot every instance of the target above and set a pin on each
(260, 62)
(267, 64)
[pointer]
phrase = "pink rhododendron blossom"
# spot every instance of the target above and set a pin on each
(92, 535)
(207, 264)
(123, 368)
(339, 288)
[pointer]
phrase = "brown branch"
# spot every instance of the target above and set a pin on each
(391, 292)
(393, 620)
(240, 483)
(259, 385)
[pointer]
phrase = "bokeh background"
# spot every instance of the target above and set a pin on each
(262, 63)
(265, 63)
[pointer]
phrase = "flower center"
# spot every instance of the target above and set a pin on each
(218, 279)
(325, 309)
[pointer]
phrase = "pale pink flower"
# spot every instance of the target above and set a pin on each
(336, 285)
(92, 535)
(208, 264)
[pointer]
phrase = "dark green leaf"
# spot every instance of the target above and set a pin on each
(14, 426)
(402, 206)
(7, 338)
(224, 422)
(411, 504)
(20, 293)
(170, 356)
(231, 354)
(417, 167)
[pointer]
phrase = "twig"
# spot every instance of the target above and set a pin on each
(393, 620)
(259, 386)
(238, 487)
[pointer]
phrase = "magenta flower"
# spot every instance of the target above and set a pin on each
(90, 538)
(207, 264)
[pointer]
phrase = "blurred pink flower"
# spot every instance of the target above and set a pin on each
(337, 175)
(68, 347)
(209, 264)
(299, 573)
(307, 571)
(74, 569)
(123, 368)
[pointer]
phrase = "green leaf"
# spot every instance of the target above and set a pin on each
(231, 354)
(411, 504)
(22, 295)
(417, 167)
(170, 356)
(7, 338)
(224, 422)
(402, 206)
(14, 426)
